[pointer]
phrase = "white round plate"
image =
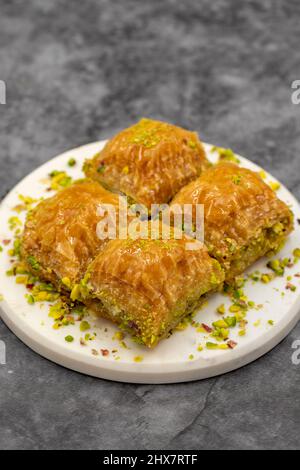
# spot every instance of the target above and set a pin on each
(175, 359)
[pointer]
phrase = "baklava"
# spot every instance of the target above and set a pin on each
(243, 217)
(149, 162)
(149, 286)
(60, 237)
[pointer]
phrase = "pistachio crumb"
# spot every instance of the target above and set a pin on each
(84, 325)
(221, 309)
(211, 345)
(138, 358)
(291, 287)
(72, 162)
(69, 338)
(274, 185)
(296, 252)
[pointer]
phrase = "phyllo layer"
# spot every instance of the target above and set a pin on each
(243, 217)
(148, 286)
(60, 237)
(149, 162)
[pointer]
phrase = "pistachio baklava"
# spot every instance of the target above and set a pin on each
(149, 162)
(60, 237)
(243, 217)
(149, 286)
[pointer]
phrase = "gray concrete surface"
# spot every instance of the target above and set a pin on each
(79, 71)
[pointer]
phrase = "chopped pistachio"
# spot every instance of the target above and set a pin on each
(271, 322)
(57, 311)
(223, 346)
(84, 325)
(182, 325)
(221, 309)
(138, 358)
(30, 299)
(72, 162)
(274, 185)
(266, 278)
(66, 282)
(224, 333)
(234, 308)
(21, 279)
(191, 357)
(101, 169)
(242, 332)
(225, 154)
(59, 180)
(278, 228)
(262, 174)
(220, 324)
(119, 335)
(276, 266)
(75, 294)
(243, 323)
(230, 321)
(69, 339)
(33, 263)
(236, 179)
(192, 144)
(296, 252)
(200, 329)
(210, 345)
(239, 316)
(291, 287)
(200, 348)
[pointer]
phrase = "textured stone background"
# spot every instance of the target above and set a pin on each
(79, 71)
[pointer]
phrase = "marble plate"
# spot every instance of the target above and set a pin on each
(176, 359)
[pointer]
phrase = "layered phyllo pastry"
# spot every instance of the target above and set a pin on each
(149, 162)
(243, 217)
(149, 286)
(61, 238)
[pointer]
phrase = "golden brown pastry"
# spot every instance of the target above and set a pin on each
(149, 162)
(148, 286)
(60, 237)
(243, 217)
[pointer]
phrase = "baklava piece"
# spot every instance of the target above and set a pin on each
(243, 217)
(149, 162)
(60, 237)
(149, 286)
